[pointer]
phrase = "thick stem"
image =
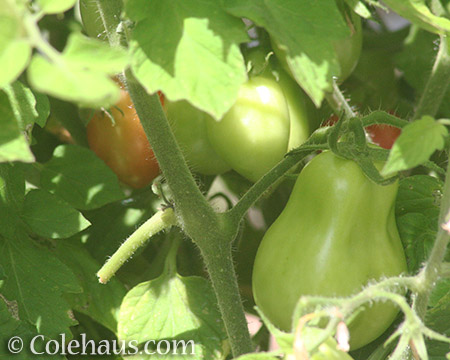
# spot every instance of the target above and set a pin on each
(160, 221)
(212, 233)
(437, 84)
(196, 214)
(432, 269)
(220, 267)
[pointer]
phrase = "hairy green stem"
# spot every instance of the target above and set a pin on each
(197, 217)
(337, 102)
(432, 270)
(211, 232)
(257, 190)
(161, 220)
(437, 83)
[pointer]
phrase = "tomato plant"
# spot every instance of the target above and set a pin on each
(382, 135)
(317, 249)
(117, 137)
(332, 228)
(253, 135)
(189, 127)
(347, 49)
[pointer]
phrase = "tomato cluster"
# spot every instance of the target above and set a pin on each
(311, 249)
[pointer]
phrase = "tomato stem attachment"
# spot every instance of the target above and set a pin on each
(162, 220)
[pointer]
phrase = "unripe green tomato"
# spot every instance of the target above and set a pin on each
(347, 49)
(298, 112)
(189, 127)
(336, 233)
(253, 135)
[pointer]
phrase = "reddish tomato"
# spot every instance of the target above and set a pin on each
(382, 135)
(122, 144)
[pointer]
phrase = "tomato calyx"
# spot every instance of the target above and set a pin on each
(383, 135)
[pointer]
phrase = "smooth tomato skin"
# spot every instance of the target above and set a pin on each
(123, 145)
(253, 135)
(383, 135)
(348, 50)
(336, 233)
(189, 127)
(298, 113)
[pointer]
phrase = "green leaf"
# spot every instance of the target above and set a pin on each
(417, 142)
(71, 83)
(418, 13)
(13, 144)
(25, 107)
(93, 54)
(78, 176)
(12, 191)
(257, 356)
(51, 217)
(359, 8)
(55, 6)
(14, 59)
(438, 317)
(417, 212)
(100, 302)
(306, 31)
(37, 280)
(416, 62)
(15, 51)
(174, 307)
(11, 326)
(186, 48)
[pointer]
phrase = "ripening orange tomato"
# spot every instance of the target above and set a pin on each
(118, 138)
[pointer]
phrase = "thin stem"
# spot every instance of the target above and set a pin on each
(338, 103)
(259, 188)
(437, 84)
(160, 221)
(431, 271)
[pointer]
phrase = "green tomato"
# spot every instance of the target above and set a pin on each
(189, 127)
(298, 112)
(336, 233)
(347, 49)
(253, 135)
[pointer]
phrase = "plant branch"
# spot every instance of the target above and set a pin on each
(161, 220)
(437, 84)
(211, 232)
(432, 270)
(259, 188)
(337, 102)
